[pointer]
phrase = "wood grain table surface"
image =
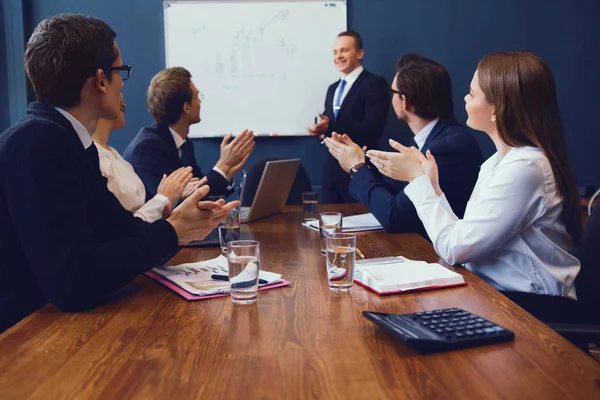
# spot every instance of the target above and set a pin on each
(298, 342)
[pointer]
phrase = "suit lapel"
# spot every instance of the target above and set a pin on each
(165, 134)
(355, 86)
(435, 132)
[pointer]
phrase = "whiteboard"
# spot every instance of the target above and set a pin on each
(263, 65)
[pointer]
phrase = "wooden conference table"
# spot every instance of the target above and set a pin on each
(298, 342)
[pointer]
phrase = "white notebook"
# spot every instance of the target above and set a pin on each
(390, 275)
(354, 223)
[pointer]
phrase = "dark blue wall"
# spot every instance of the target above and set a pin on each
(454, 32)
(4, 118)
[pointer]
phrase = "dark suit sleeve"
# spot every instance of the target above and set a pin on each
(151, 159)
(377, 104)
(218, 184)
(74, 264)
(395, 212)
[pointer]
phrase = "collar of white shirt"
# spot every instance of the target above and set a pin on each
(353, 76)
(421, 137)
(84, 135)
(179, 141)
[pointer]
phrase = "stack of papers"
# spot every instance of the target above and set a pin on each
(355, 223)
(390, 275)
(193, 280)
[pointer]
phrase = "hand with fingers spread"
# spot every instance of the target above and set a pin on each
(235, 153)
(320, 128)
(431, 169)
(345, 151)
(401, 166)
(173, 186)
(194, 219)
(192, 185)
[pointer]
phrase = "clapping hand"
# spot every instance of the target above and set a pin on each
(235, 154)
(431, 169)
(345, 151)
(195, 219)
(401, 166)
(173, 186)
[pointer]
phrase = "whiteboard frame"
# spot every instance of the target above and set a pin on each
(167, 3)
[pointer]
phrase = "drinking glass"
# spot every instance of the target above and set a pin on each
(229, 229)
(243, 262)
(310, 206)
(341, 256)
(329, 222)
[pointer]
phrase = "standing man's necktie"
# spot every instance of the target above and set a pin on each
(338, 100)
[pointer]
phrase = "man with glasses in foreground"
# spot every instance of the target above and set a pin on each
(421, 97)
(163, 147)
(64, 238)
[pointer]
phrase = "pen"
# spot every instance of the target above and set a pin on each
(360, 254)
(226, 278)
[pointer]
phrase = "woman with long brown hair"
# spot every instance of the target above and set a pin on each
(523, 215)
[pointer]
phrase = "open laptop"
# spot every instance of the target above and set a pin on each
(273, 190)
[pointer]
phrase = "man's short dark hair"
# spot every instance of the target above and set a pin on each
(426, 85)
(63, 52)
(357, 39)
(169, 90)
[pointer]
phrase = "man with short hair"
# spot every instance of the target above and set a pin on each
(64, 237)
(422, 97)
(161, 148)
(357, 105)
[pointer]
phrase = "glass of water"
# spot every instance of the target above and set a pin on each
(310, 206)
(329, 223)
(341, 256)
(229, 229)
(243, 262)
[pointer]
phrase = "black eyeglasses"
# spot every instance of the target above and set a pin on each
(393, 92)
(124, 70)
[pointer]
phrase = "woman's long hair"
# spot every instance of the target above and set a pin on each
(521, 87)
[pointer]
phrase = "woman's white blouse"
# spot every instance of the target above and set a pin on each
(124, 183)
(511, 234)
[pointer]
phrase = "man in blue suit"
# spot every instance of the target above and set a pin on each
(358, 105)
(422, 97)
(161, 148)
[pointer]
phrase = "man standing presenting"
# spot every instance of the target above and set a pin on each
(161, 148)
(356, 105)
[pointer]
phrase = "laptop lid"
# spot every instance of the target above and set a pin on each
(273, 189)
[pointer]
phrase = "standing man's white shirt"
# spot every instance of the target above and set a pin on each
(350, 79)
(512, 234)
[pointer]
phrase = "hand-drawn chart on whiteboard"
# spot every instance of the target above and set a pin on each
(262, 65)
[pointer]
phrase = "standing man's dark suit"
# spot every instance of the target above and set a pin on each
(458, 158)
(64, 237)
(153, 153)
(362, 116)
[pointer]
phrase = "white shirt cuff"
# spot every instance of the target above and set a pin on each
(162, 198)
(419, 190)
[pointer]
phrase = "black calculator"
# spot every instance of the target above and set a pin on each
(441, 330)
